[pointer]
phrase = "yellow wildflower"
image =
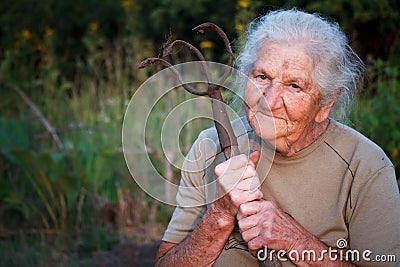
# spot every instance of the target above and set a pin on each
(395, 153)
(206, 44)
(94, 25)
(239, 27)
(126, 4)
(26, 34)
(244, 3)
(48, 31)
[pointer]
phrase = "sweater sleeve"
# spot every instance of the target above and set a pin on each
(374, 225)
(191, 198)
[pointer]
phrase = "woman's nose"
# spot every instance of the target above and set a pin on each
(273, 95)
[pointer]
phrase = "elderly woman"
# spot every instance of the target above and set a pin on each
(328, 197)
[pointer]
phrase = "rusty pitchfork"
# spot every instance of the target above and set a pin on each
(226, 136)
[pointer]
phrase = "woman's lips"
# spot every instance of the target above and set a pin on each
(252, 112)
(264, 109)
(268, 114)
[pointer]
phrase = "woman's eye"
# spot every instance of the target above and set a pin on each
(261, 77)
(293, 85)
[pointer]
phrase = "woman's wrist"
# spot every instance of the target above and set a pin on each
(223, 219)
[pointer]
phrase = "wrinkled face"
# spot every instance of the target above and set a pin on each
(284, 96)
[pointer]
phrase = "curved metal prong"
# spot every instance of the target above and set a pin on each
(168, 50)
(166, 64)
(150, 61)
(228, 47)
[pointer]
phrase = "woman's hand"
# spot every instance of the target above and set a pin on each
(262, 223)
(237, 183)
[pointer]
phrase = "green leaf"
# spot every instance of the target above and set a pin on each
(14, 202)
(13, 134)
(5, 189)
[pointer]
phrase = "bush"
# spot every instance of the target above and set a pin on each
(377, 113)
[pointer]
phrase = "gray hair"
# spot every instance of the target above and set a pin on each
(337, 69)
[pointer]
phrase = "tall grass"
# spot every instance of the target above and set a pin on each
(83, 190)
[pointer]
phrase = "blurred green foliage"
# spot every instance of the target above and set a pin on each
(76, 60)
(377, 111)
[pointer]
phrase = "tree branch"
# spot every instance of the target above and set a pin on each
(38, 114)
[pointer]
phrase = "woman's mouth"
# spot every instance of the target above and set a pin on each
(271, 115)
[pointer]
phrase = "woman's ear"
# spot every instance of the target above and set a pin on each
(323, 112)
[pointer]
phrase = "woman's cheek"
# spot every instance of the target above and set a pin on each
(298, 107)
(251, 95)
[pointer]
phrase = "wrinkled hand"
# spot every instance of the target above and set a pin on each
(237, 183)
(262, 223)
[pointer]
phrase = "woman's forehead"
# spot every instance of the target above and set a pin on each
(289, 57)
